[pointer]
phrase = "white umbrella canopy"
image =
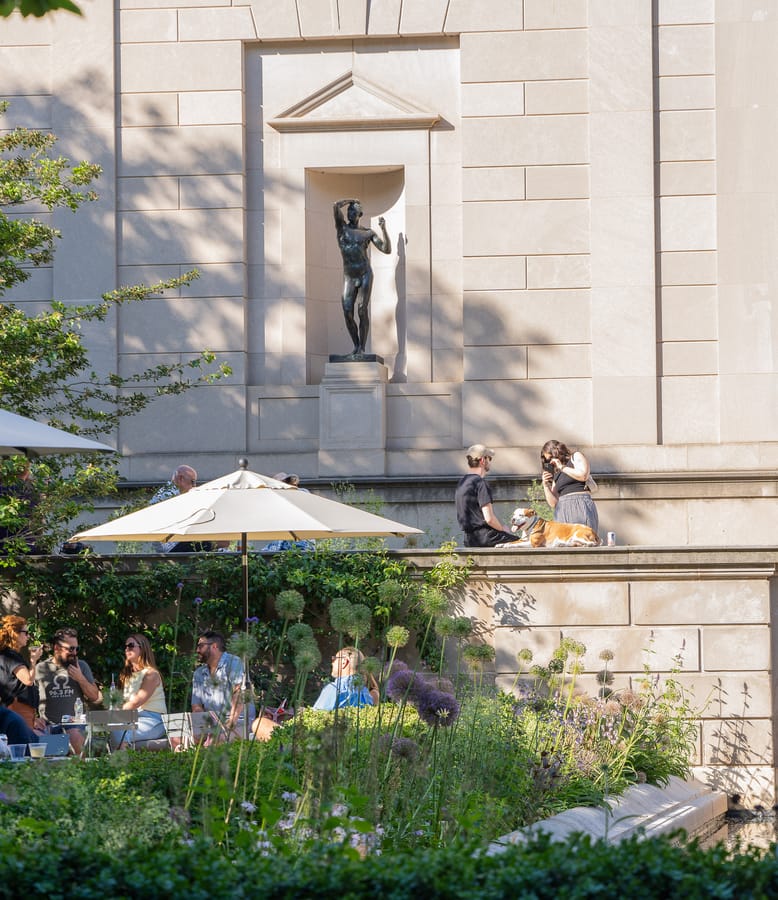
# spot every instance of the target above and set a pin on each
(245, 506)
(18, 434)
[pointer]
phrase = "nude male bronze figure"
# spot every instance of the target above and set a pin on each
(354, 242)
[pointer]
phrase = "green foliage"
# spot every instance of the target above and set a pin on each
(45, 370)
(30, 175)
(171, 601)
(602, 744)
(36, 8)
(536, 499)
(655, 869)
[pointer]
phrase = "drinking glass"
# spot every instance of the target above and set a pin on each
(17, 752)
(37, 751)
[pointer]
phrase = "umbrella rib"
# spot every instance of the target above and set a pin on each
(197, 512)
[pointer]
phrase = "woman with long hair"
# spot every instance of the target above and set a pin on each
(141, 686)
(17, 677)
(567, 485)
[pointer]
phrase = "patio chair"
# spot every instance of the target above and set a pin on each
(109, 720)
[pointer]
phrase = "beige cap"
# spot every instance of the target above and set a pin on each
(479, 451)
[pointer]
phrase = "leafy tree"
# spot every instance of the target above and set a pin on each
(45, 371)
(30, 176)
(36, 7)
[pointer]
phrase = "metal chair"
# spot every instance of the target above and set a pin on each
(110, 720)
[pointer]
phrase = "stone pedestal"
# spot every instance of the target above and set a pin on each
(352, 418)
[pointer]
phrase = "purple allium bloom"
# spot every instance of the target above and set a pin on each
(252, 620)
(438, 708)
(180, 585)
(401, 684)
(197, 601)
(405, 748)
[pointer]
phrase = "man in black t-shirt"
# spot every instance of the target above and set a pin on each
(475, 512)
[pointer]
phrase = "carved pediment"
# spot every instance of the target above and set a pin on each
(351, 103)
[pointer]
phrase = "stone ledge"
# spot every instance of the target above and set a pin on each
(642, 808)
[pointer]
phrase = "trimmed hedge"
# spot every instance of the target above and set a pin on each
(652, 868)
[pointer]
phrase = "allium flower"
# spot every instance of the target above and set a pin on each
(180, 585)
(391, 593)
(446, 626)
(524, 655)
(606, 655)
(299, 632)
(197, 601)
(396, 665)
(404, 748)
(478, 654)
(463, 627)
(252, 620)
(400, 684)
(290, 604)
(340, 614)
(397, 636)
(243, 645)
(371, 666)
(307, 658)
(438, 708)
(433, 601)
(361, 617)
(441, 684)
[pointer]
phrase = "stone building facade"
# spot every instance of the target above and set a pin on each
(581, 203)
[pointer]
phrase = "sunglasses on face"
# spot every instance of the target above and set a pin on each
(130, 645)
(69, 649)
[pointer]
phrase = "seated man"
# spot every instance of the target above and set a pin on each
(62, 679)
(217, 684)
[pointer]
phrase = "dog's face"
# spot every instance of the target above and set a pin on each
(520, 518)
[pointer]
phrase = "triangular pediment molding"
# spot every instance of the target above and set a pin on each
(352, 103)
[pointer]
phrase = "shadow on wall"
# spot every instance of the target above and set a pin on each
(732, 744)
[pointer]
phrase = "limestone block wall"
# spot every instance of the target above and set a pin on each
(702, 617)
(579, 198)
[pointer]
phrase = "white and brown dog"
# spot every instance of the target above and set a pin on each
(543, 533)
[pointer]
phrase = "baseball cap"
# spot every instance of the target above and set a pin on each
(479, 451)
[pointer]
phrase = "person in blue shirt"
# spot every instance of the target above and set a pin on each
(342, 691)
(339, 693)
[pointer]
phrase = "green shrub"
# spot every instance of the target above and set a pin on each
(655, 869)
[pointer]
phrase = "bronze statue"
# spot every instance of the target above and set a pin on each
(354, 242)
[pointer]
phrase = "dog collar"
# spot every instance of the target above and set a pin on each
(531, 525)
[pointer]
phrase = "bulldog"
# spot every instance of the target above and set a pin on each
(543, 533)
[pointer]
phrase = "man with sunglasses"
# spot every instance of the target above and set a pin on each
(62, 679)
(217, 683)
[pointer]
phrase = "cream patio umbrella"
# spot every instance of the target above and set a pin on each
(245, 506)
(20, 435)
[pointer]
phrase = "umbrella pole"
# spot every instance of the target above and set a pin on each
(244, 558)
